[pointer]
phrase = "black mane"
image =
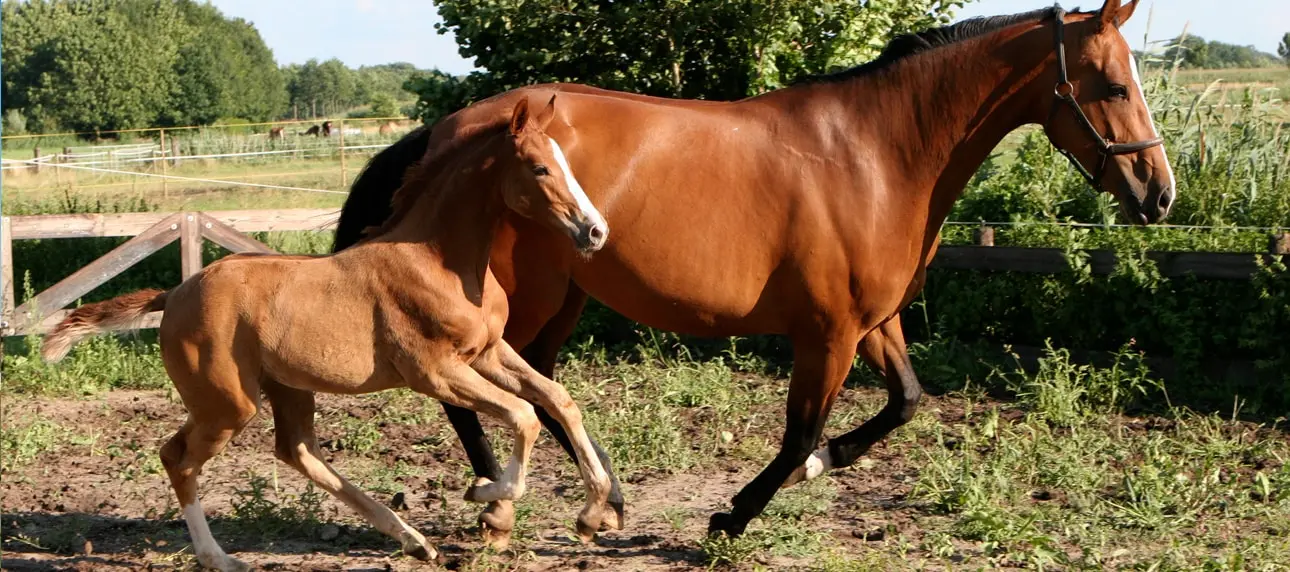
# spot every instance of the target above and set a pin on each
(906, 45)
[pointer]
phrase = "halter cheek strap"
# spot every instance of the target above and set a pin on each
(1065, 94)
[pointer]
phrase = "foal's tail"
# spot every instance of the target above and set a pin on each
(119, 313)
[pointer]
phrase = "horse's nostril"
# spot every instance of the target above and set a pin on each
(597, 233)
(1166, 198)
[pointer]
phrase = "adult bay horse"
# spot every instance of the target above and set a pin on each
(413, 306)
(811, 211)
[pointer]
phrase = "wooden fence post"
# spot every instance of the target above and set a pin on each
(165, 191)
(36, 156)
(1280, 243)
(343, 179)
(190, 245)
(984, 236)
(71, 172)
(6, 273)
(174, 152)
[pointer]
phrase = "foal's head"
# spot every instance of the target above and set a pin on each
(545, 189)
(1117, 148)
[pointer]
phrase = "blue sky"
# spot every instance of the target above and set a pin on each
(366, 32)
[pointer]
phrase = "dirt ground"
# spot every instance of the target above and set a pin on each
(100, 501)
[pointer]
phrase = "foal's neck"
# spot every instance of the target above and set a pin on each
(455, 222)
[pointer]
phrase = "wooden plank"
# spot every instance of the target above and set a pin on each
(67, 290)
(273, 220)
(130, 224)
(149, 321)
(1222, 265)
(230, 238)
(83, 225)
(7, 298)
(190, 245)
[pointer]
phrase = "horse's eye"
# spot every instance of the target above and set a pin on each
(541, 171)
(1119, 91)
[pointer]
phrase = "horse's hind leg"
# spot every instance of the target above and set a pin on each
(507, 369)
(208, 429)
(296, 444)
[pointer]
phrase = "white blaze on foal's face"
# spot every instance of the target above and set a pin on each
(591, 231)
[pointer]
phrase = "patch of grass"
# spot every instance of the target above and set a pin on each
(95, 365)
(22, 441)
(262, 512)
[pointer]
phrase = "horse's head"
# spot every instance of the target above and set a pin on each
(544, 188)
(1099, 117)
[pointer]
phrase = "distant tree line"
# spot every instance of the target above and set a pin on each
(86, 65)
(1196, 52)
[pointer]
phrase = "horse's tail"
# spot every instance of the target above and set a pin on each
(119, 313)
(368, 203)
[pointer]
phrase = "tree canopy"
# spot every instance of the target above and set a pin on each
(1196, 52)
(712, 49)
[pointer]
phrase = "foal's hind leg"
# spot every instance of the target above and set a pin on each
(297, 445)
(506, 368)
(208, 429)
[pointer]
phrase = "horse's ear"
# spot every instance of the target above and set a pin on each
(545, 116)
(1114, 15)
(520, 116)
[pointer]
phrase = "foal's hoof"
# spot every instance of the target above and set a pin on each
(613, 517)
(222, 562)
(725, 522)
(588, 526)
(478, 489)
(496, 523)
(417, 547)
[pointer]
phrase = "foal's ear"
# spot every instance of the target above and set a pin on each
(545, 116)
(1114, 15)
(520, 116)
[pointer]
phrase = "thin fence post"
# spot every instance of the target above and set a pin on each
(343, 179)
(165, 190)
(8, 301)
(174, 152)
(67, 151)
(1280, 243)
(984, 236)
(36, 157)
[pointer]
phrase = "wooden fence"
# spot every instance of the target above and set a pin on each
(152, 231)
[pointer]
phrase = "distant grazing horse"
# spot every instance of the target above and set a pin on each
(313, 130)
(386, 128)
(326, 129)
(275, 133)
(413, 306)
(811, 211)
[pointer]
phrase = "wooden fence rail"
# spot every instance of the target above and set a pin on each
(152, 231)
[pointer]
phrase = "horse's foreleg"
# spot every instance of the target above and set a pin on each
(541, 353)
(884, 350)
(819, 368)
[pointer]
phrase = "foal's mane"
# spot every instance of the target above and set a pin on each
(905, 45)
(426, 175)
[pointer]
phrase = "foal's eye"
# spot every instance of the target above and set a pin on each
(541, 171)
(1119, 91)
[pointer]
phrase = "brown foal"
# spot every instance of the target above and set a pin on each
(412, 306)
(810, 211)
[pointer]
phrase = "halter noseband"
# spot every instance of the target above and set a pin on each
(1065, 94)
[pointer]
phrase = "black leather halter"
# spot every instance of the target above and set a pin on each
(1065, 95)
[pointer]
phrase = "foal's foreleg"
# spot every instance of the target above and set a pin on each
(510, 371)
(297, 445)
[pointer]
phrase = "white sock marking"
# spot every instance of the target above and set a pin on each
(204, 544)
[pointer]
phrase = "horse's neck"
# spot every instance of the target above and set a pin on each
(962, 101)
(455, 223)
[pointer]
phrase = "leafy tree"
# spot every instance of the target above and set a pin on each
(1196, 52)
(1283, 50)
(714, 49)
(225, 71)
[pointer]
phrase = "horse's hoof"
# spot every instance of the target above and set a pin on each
(497, 539)
(223, 563)
(473, 493)
(724, 522)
